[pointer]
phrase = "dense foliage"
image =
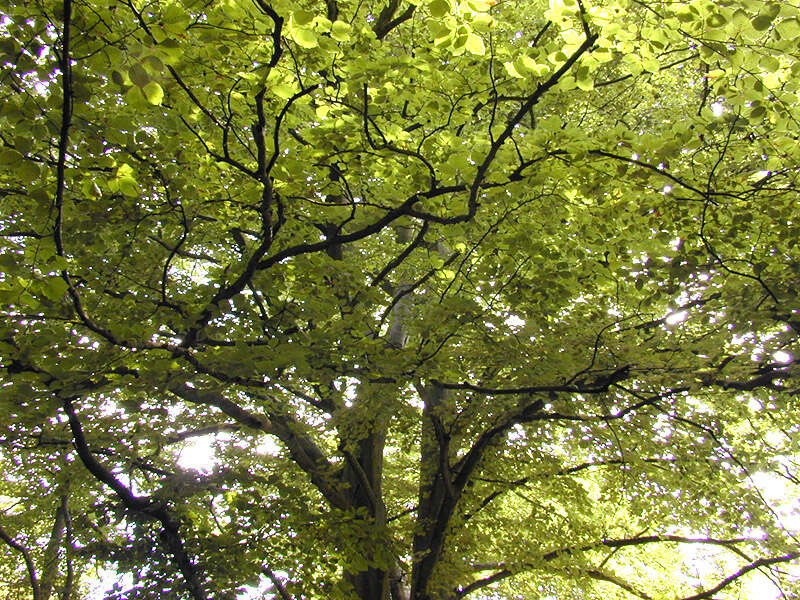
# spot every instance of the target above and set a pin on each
(486, 299)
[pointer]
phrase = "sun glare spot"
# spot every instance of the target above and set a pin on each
(198, 454)
(782, 357)
(676, 317)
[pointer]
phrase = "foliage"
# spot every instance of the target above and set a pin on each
(478, 298)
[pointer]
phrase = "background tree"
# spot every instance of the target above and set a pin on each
(478, 298)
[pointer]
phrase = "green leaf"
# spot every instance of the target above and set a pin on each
(10, 157)
(128, 186)
(302, 17)
(762, 22)
(482, 22)
(716, 20)
(789, 29)
(135, 97)
(284, 91)
(439, 8)
(28, 170)
(54, 288)
(305, 38)
(474, 44)
(153, 92)
(512, 70)
(138, 75)
(118, 77)
(757, 113)
(584, 79)
(322, 24)
(340, 31)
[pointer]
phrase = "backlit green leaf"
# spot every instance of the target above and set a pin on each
(153, 92)
(305, 38)
(475, 45)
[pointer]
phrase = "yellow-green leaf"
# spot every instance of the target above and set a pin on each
(305, 38)
(439, 8)
(340, 31)
(302, 17)
(475, 44)
(135, 98)
(153, 92)
(128, 186)
(762, 22)
(511, 70)
(139, 75)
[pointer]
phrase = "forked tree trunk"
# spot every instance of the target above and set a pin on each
(435, 496)
(51, 559)
(363, 474)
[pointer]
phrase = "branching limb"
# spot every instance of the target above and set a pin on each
(268, 198)
(233, 410)
(602, 576)
(762, 562)
(170, 533)
(188, 434)
(410, 289)
(184, 253)
(386, 20)
(730, 544)
(516, 118)
(65, 66)
(69, 548)
(600, 387)
(279, 119)
(222, 158)
(465, 467)
(378, 507)
(26, 556)
(278, 584)
(50, 567)
(398, 260)
(505, 573)
(402, 210)
(654, 168)
(305, 453)
(482, 583)
(277, 31)
(95, 468)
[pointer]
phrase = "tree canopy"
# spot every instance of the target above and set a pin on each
(478, 299)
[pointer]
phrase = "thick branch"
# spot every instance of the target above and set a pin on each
(50, 569)
(170, 534)
(386, 20)
(96, 469)
(305, 453)
(504, 573)
(65, 65)
(278, 584)
(482, 583)
(761, 562)
(233, 410)
(650, 539)
(35, 588)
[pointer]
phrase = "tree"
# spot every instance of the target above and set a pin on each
(478, 299)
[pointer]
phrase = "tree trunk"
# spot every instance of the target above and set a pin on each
(50, 566)
(435, 497)
(363, 474)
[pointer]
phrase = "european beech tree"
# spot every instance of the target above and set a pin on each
(470, 300)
